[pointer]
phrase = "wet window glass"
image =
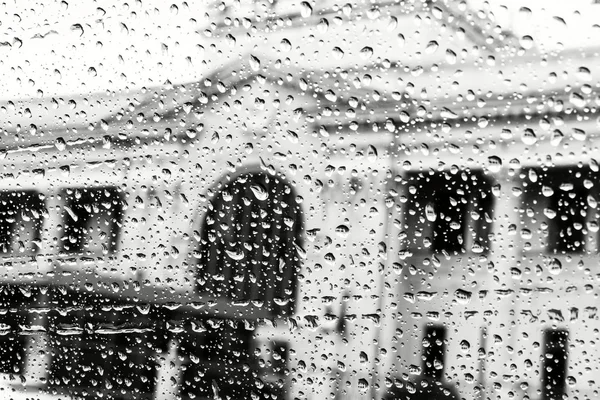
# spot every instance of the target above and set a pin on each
(299, 200)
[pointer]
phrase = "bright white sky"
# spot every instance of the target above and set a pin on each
(129, 44)
(553, 24)
(134, 43)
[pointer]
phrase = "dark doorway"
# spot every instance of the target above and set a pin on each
(554, 368)
(434, 349)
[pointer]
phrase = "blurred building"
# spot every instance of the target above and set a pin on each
(310, 230)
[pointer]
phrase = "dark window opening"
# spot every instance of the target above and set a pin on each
(448, 212)
(100, 347)
(434, 350)
(554, 371)
(567, 233)
(92, 220)
(249, 243)
(13, 306)
(215, 353)
(21, 219)
(559, 198)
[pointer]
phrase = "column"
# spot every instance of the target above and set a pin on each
(502, 288)
(38, 347)
(169, 373)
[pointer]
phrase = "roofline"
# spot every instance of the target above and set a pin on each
(475, 33)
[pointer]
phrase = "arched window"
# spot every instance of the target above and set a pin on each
(248, 248)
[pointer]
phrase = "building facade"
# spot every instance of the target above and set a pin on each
(309, 231)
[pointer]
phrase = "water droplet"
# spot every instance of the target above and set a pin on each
(450, 57)
(430, 213)
(401, 40)
(366, 52)
(342, 231)
(60, 144)
(555, 266)
(526, 42)
(323, 25)
(465, 346)
(231, 40)
(371, 153)
(363, 384)
(236, 255)
(494, 164)
(338, 53)
(285, 45)
(547, 191)
(525, 12)
(462, 296)
(437, 12)
(330, 258)
(392, 24)
(448, 114)
(305, 9)
(577, 100)
(259, 192)
(528, 137)
(254, 63)
(584, 74)
(78, 29)
(432, 47)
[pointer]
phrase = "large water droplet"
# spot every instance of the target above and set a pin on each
(323, 25)
(555, 266)
(432, 47)
(526, 42)
(254, 63)
(528, 137)
(430, 213)
(462, 296)
(494, 164)
(305, 9)
(338, 53)
(285, 45)
(236, 255)
(366, 52)
(259, 192)
(372, 153)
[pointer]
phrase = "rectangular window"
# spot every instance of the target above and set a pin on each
(92, 219)
(434, 350)
(556, 209)
(21, 219)
(100, 347)
(554, 369)
(12, 342)
(567, 227)
(448, 212)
